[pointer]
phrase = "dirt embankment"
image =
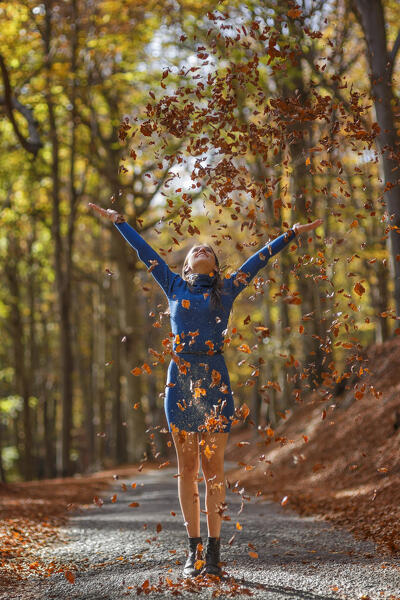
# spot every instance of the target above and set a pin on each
(338, 459)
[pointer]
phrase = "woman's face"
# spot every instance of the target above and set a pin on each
(201, 259)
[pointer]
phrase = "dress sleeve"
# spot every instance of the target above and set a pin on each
(242, 276)
(159, 268)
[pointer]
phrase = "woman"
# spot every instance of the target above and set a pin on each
(198, 398)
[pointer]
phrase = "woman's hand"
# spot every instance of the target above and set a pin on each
(301, 228)
(109, 213)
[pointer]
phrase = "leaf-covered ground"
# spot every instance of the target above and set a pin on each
(339, 458)
(32, 513)
(133, 543)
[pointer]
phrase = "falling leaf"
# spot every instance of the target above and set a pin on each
(208, 452)
(238, 526)
(359, 288)
(136, 371)
(245, 411)
(186, 303)
(284, 500)
(245, 348)
(134, 504)
(294, 13)
(253, 554)
(158, 527)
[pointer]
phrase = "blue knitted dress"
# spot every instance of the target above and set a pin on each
(198, 395)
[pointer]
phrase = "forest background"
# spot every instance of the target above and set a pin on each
(200, 121)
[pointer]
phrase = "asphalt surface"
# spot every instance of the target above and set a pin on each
(115, 551)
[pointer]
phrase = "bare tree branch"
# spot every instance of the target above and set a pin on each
(33, 143)
(392, 55)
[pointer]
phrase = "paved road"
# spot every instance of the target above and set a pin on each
(114, 549)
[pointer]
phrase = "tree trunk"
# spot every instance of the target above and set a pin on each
(131, 328)
(312, 354)
(62, 260)
(372, 20)
(33, 363)
(118, 430)
(22, 381)
(49, 406)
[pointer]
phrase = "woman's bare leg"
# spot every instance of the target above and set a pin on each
(213, 470)
(187, 451)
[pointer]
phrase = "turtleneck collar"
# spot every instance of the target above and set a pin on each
(200, 280)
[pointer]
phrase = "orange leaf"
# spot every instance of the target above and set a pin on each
(208, 452)
(238, 526)
(253, 554)
(136, 371)
(359, 288)
(70, 576)
(186, 303)
(245, 348)
(245, 411)
(284, 500)
(134, 504)
(294, 13)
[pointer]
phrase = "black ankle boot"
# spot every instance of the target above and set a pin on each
(212, 557)
(195, 554)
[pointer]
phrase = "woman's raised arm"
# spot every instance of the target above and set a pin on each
(242, 276)
(155, 264)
